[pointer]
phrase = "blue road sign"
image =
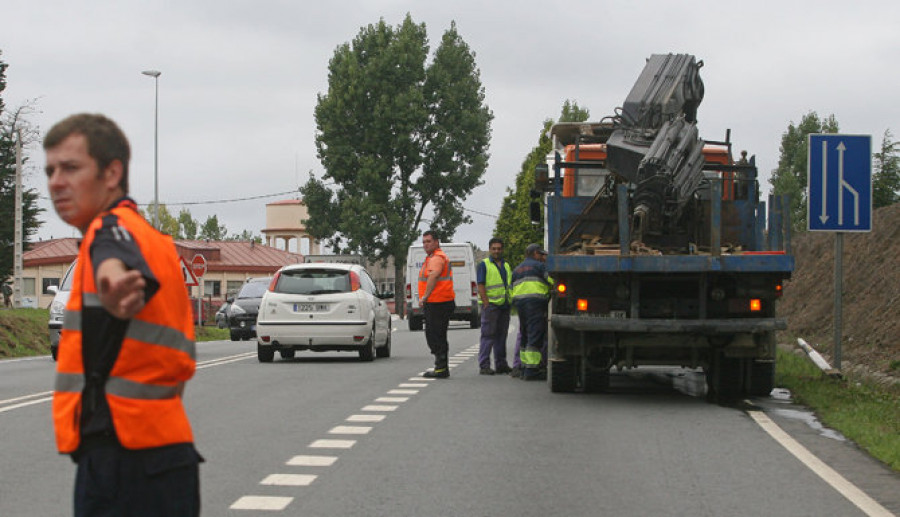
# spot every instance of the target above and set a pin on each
(839, 176)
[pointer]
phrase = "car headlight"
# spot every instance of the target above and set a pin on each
(236, 309)
(57, 309)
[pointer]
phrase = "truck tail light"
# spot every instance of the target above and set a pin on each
(582, 304)
(408, 292)
(755, 305)
(779, 290)
(474, 289)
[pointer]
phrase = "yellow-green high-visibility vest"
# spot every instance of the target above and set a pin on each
(498, 293)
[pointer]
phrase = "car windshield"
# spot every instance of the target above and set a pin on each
(313, 281)
(253, 290)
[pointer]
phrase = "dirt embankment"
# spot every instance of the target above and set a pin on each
(871, 300)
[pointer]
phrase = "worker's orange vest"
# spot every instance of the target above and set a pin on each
(443, 289)
(157, 354)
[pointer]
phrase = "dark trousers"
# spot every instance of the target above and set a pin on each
(494, 328)
(115, 482)
(533, 325)
(437, 319)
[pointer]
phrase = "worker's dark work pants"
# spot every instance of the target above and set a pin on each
(112, 481)
(437, 319)
(533, 325)
(494, 328)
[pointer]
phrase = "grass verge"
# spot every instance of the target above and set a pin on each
(23, 333)
(863, 412)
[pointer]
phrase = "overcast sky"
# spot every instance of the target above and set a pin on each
(239, 80)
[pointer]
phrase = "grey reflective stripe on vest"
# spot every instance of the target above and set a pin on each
(69, 382)
(72, 320)
(529, 279)
(91, 300)
(160, 335)
(143, 331)
(122, 387)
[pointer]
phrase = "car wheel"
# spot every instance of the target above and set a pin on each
(367, 352)
(265, 355)
(385, 350)
(234, 336)
(287, 354)
(475, 321)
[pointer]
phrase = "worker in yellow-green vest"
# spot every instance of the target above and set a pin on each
(530, 292)
(493, 277)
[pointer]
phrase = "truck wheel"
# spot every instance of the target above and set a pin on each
(762, 378)
(596, 381)
(415, 323)
(563, 376)
(265, 355)
(725, 378)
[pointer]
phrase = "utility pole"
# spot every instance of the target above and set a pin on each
(17, 234)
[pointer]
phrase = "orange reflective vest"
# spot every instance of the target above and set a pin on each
(157, 354)
(443, 289)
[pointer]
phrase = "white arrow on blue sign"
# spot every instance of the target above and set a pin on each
(839, 176)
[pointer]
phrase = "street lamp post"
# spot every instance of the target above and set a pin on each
(155, 75)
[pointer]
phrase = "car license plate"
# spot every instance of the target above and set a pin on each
(310, 307)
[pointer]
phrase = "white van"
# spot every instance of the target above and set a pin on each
(462, 262)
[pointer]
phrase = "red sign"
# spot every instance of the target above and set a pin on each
(198, 265)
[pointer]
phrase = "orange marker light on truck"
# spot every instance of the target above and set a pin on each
(561, 288)
(755, 305)
(582, 304)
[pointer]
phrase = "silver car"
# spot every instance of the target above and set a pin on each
(58, 308)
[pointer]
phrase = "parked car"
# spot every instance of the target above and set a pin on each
(58, 308)
(323, 307)
(243, 309)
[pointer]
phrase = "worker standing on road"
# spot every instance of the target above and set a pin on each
(493, 276)
(127, 343)
(530, 291)
(437, 300)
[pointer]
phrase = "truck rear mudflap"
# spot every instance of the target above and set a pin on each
(695, 326)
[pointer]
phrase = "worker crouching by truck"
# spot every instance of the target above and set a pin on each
(530, 292)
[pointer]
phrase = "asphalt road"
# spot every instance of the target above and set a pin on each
(327, 435)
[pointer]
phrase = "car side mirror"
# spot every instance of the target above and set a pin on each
(52, 289)
(230, 299)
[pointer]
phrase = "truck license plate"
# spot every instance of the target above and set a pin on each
(310, 307)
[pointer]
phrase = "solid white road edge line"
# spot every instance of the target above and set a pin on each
(847, 489)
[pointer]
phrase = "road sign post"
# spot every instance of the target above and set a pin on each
(839, 176)
(198, 268)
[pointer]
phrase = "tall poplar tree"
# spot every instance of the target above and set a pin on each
(401, 143)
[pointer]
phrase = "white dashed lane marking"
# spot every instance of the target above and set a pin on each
(350, 429)
(272, 503)
(365, 418)
(391, 399)
(288, 479)
(312, 461)
(379, 408)
(258, 502)
(332, 444)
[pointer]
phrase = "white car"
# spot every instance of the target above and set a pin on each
(58, 308)
(323, 307)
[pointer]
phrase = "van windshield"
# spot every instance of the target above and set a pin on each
(313, 281)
